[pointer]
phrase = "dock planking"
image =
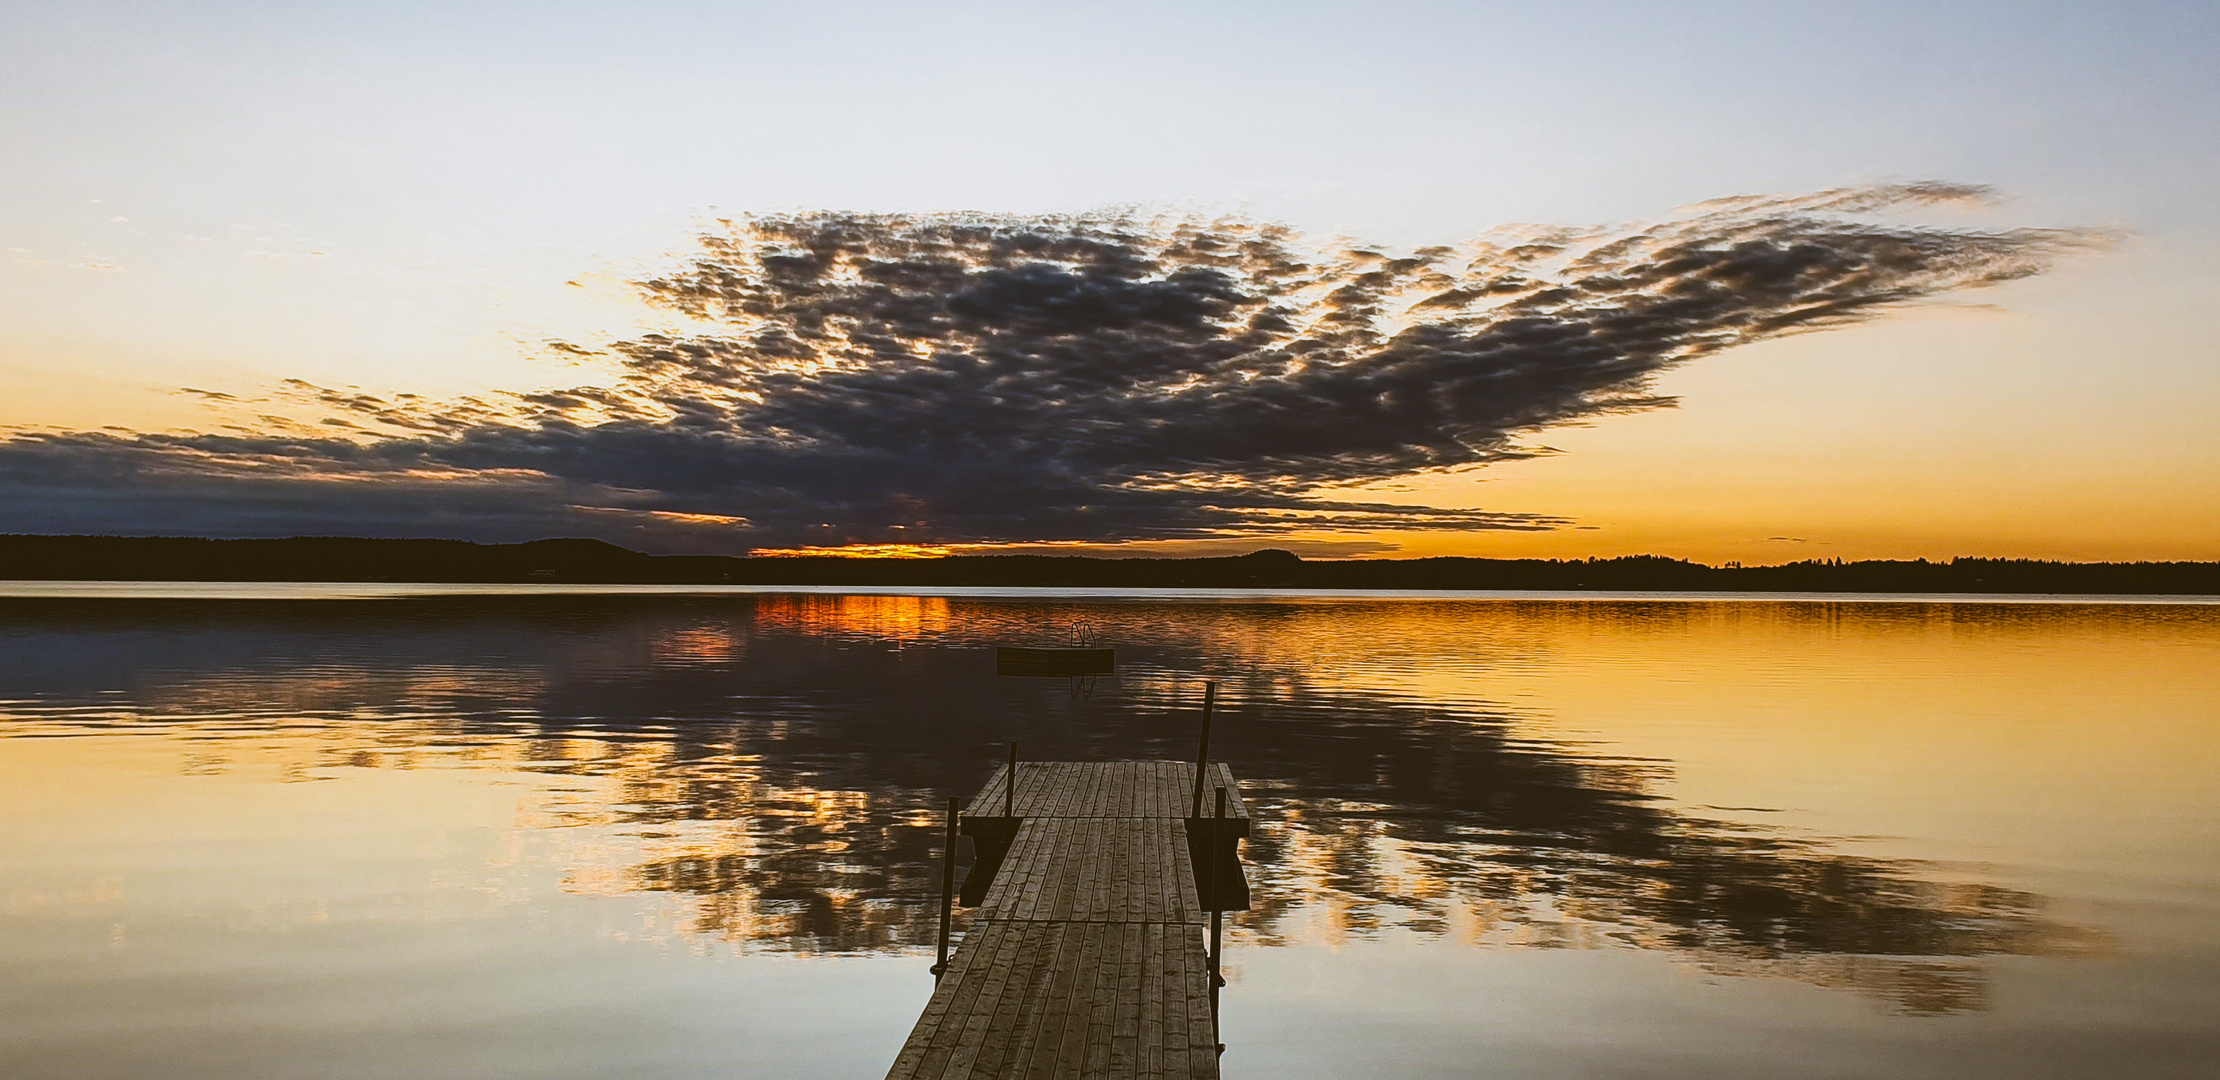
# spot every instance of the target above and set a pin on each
(1088, 956)
(1120, 789)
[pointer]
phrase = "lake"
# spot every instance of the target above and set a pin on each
(383, 831)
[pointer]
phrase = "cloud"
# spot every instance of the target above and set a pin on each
(974, 378)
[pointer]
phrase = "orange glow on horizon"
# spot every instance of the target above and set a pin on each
(860, 551)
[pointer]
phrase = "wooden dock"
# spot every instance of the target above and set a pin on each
(1087, 956)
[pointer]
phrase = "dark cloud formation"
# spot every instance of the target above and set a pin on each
(845, 378)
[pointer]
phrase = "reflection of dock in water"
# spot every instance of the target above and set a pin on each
(1089, 955)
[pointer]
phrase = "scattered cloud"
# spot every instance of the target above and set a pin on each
(976, 379)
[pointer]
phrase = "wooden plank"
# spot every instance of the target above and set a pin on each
(1079, 1029)
(962, 990)
(1176, 1056)
(1103, 1006)
(1149, 1055)
(1020, 1001)
(1096, 869)
(1050, 986)
(1202, 1030)
(1126, 1017)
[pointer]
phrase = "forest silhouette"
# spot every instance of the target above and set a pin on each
(582, 561)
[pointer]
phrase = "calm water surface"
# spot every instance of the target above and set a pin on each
(301, 831)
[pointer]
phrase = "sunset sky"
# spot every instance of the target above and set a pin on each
(1398, 279)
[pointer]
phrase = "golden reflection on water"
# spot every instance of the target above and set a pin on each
(755, 863)
(887, 618)
(1785, 790)
(1731, 904)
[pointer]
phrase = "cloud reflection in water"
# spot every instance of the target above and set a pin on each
(775, 766)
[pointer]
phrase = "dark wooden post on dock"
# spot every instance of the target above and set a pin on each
(1009, 788)
(1202, 756)
(947, 885)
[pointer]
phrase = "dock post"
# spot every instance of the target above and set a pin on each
(947, 886)
(1202, 756)
(1217, 916)
(1009, 784)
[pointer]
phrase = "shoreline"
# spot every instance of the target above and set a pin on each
(132, 589)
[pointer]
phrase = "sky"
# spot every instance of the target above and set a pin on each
(1751, 282)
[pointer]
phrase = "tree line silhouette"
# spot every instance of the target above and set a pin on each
(583, 561)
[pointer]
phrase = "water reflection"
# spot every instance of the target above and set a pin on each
(774, 763)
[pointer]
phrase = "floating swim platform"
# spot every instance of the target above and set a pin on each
(1054, 663)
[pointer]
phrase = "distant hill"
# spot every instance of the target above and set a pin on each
(323, 558)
